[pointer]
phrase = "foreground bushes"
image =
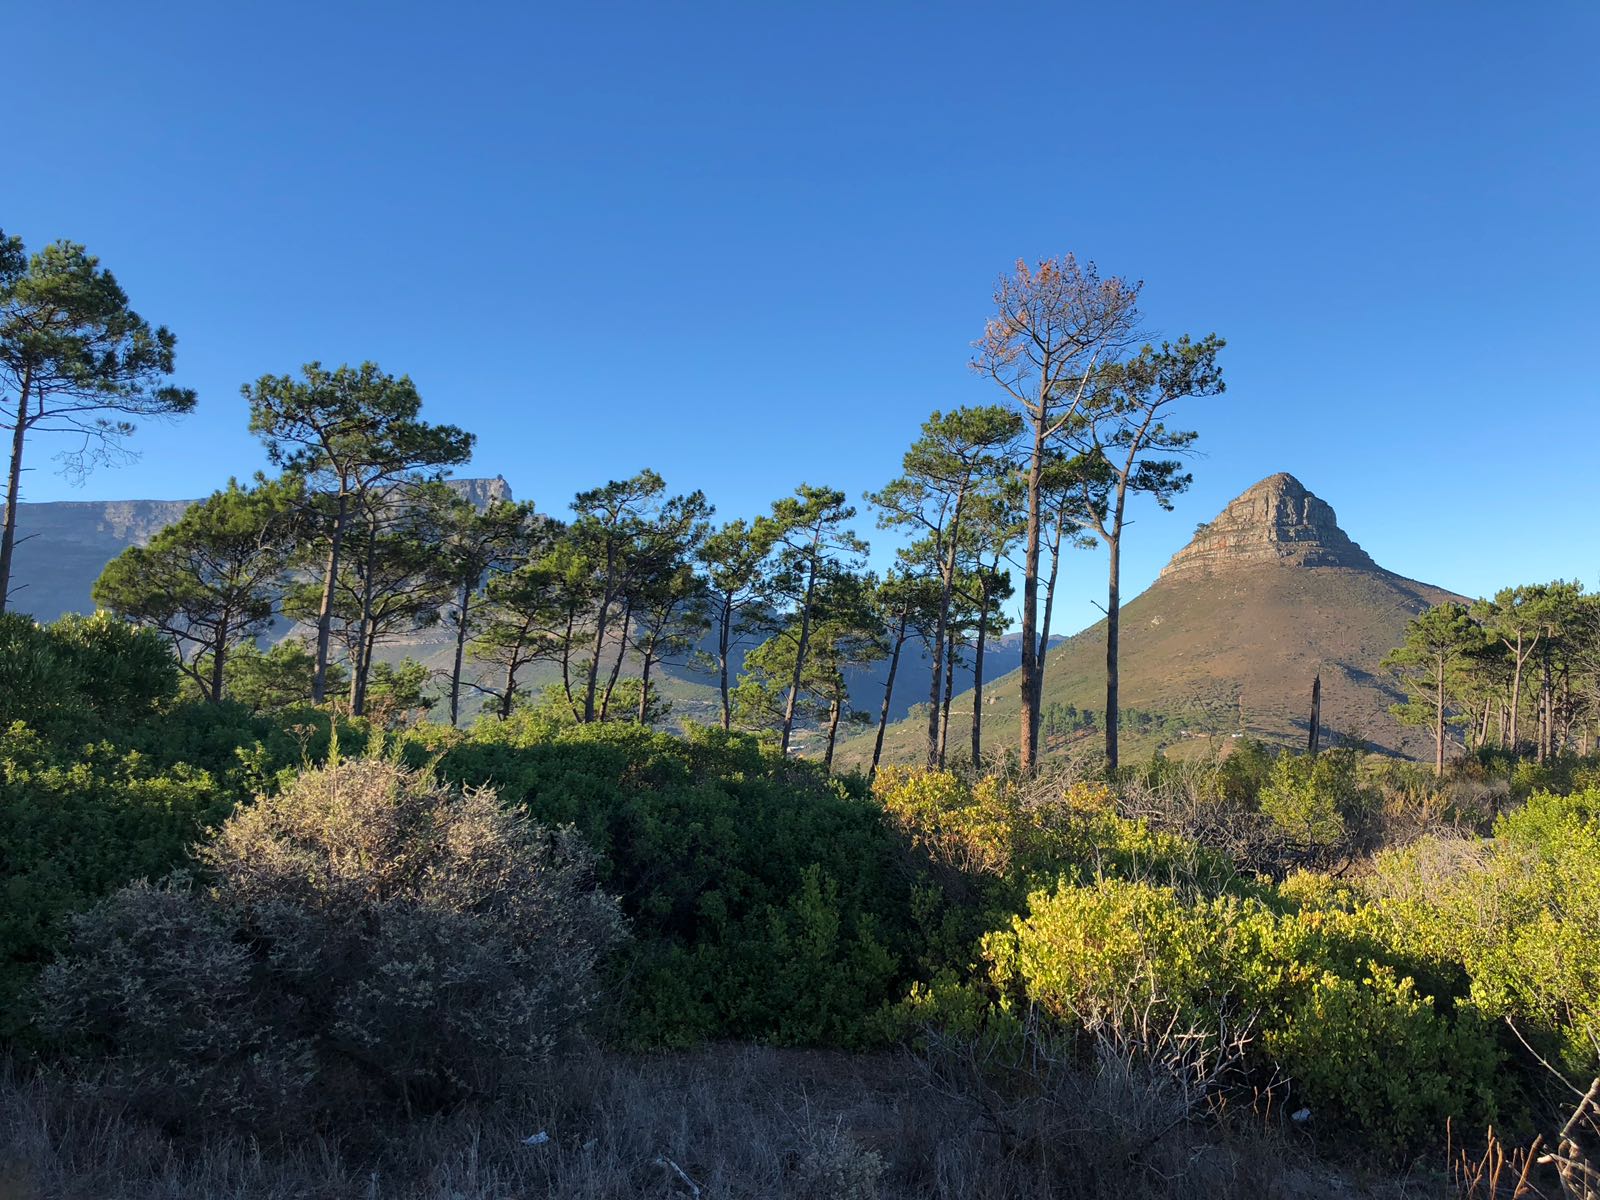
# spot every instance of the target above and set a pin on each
(363, 938)
(375, 941)
(766, 900)
(1108, 928)
(1518, 914)
(1345, 1031)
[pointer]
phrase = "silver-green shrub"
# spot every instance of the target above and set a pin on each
(366, 937)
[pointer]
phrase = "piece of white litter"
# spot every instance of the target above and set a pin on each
(1302, 1116)
(667, 1164)
(537, 1139)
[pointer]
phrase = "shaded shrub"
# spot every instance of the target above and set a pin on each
(365, 938)
(81, 669)
(72, 831)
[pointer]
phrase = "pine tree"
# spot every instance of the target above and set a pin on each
(1053, 324)
(1438, 642)
(210, 580)
(351, 432)
(74, 359)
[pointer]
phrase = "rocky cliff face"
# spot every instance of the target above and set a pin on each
(483, 492)
(1276, 521)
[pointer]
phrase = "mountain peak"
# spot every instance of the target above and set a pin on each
(1276, 521)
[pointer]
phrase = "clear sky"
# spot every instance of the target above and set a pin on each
(749, 244)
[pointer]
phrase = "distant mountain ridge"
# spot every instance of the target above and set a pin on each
(66, 544)
(63, 545)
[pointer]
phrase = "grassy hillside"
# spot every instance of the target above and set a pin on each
(1225, 653)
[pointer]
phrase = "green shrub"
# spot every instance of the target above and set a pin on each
(1317, 804)
(767, 900)
(80, 670)
(1519, 913)
(1351, 1033)
(365, 938)
(71, 832)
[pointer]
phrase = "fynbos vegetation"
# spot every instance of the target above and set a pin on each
(255, 897)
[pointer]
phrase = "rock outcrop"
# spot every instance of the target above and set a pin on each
(1276, 521)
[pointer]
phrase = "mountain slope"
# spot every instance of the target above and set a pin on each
(1230, 636)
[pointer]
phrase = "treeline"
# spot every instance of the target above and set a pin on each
(1519, 673)
(359, 540)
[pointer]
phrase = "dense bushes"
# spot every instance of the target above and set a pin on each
(1126, 931)
(72, 831)
(1518, 914)
(312, 956)
(766, 900)
(105, 777)
(1344, 1028)
(363, 937)
(81, 672)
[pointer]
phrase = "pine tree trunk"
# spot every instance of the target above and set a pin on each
(1516, 692)
(949, 691)
(977, 674)
(1546, 709)
(8, 531)
(888, 693)
(833, 734)
(616, 666)
(947, 588)
(644, 683)
(566, 658)
(366, 636)
(461, 651)
(1044, 634)
(1113, 626)
(724, 640)
(799, 656)
(1028, 727)
(319, 679)
(219, 656)
(508, 697)
(1438, 718)
(591, 681)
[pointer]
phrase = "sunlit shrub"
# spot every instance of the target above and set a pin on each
(1349, 1031)
(1519, 913)
(1317, 803)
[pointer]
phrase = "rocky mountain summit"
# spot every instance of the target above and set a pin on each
(1276, 521)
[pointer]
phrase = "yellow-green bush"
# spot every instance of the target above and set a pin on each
(1357, 1041)
(1519, 914)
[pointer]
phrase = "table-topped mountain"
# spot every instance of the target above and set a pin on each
(1265, 597)
(63, 545)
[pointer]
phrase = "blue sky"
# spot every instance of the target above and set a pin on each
(750, 244)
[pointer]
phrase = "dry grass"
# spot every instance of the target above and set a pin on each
(730, 1122)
